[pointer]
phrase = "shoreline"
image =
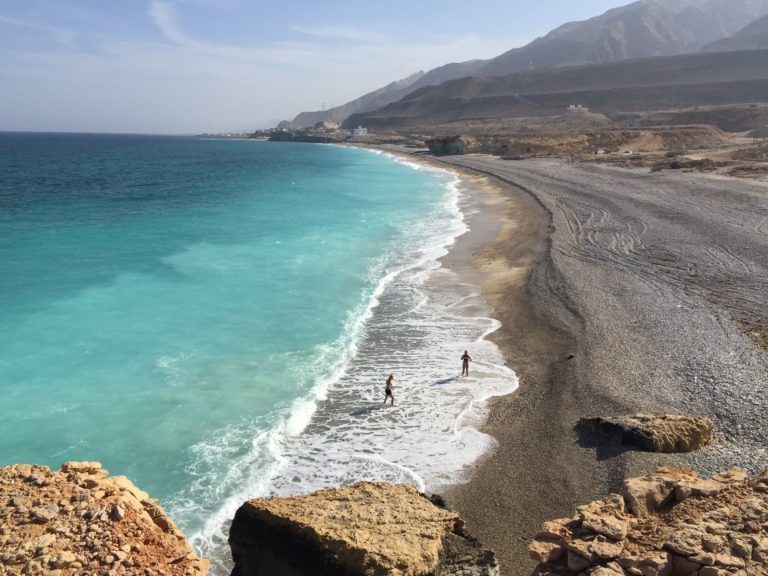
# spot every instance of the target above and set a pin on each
(508, 497)
(614, 299)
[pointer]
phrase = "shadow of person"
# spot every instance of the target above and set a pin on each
(367, 410)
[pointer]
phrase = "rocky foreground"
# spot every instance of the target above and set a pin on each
(80, 520)
(366, 529)
(668, 523)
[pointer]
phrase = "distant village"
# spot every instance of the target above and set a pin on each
(324, 131)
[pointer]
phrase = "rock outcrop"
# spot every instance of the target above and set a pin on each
(364, 529)
(80, 520)
(668, 523)
(669, 433)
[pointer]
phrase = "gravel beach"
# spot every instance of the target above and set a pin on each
(620, 291)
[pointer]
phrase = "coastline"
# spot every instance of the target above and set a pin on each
(599, 322)
(534, 474)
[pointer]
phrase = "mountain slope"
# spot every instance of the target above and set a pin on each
(390, 93)
(371, 101)
(668, 82)
(753, 37)
(641, 29)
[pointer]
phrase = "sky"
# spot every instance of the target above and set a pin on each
(192, 66)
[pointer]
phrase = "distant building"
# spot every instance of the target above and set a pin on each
(577, 109)
(360, 131)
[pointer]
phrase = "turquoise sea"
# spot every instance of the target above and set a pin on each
(215, 319)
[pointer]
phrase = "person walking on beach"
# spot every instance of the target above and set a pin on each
(388, 390)
(465, 358)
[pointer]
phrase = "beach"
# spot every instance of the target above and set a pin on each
(619, 292)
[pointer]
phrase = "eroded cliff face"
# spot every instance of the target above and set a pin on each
(668, 523)
(80, 520)
(571, 143)
(364, 529)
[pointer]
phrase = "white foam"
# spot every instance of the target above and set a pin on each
(340, 432)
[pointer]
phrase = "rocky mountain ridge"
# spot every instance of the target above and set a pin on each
(661, 83)
(753, 37)
(641, 29)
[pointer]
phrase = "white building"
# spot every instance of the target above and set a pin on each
(577, 109)
(359, 131)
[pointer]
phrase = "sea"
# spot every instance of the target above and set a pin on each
(216, 319)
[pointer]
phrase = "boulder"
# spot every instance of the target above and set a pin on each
(668, 433)
(73, 527)
(364, 529)
(667, 523)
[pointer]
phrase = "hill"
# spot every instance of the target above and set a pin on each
(370, 101)
(753, 37)
(641, 29)
(663, 83)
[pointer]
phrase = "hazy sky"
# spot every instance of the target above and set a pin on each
(185, 66)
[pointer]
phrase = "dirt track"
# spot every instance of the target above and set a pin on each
(657, 284)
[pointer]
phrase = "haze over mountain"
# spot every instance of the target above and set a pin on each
(390, 93)
(632, 86)
(640, 29)
(753, 37)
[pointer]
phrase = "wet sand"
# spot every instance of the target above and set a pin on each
(619, 291)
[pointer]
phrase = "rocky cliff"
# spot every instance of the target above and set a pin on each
(669, 433)
(668, 523)
(677, 138)
(80, 520)
(365, 529)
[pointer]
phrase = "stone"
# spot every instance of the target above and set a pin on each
(649, 493)
(605, 517)
(544, 552)
(668, 433)
(366, 528)
(677, 524)
(686, 542)
(64, 559)
(116, 513)
(45, 513)
(63, 533)
(682, 566)
(576, 562)
(597, 550)
(713, 571)
(605, 571)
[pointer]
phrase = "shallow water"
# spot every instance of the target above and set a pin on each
(215, 319)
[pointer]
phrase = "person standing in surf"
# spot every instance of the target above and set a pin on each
(388, 393)
(465, 358)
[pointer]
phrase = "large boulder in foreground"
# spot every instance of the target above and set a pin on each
(80, 520)
(669, 433)
(669, 523)
(365, 529)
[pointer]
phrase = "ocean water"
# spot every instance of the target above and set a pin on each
(216, 319)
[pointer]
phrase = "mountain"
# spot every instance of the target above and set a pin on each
(371, 101)
(631, 86)
(389, 93)
(753, 37)
(641, 29)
